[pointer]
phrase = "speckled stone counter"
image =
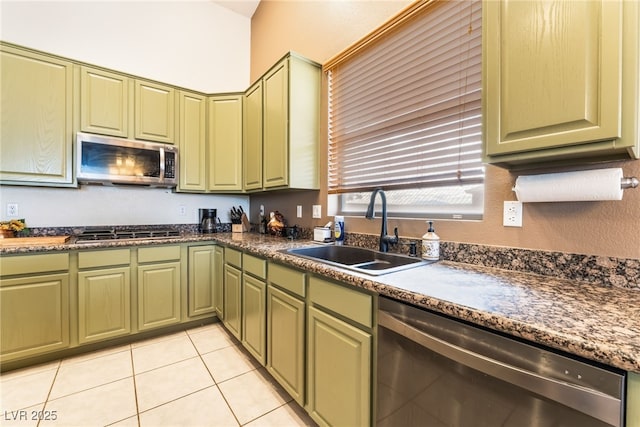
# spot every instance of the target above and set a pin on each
(593, 320)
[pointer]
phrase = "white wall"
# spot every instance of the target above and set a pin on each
(192, 44)
(103, 205)
(197, 45)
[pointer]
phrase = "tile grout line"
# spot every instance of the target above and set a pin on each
(215, 383)
(46, 400)
(135, 388)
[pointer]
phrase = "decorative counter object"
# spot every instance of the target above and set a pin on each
(276, 224)
(9, 229)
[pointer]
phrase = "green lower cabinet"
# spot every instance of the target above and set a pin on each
(254, 317)
(285, 341)
(218, 284)
(633, 399)
(34, 315)
(158, 295)
(104, 304)
(339, 372)
(233, 300)
(202, 279)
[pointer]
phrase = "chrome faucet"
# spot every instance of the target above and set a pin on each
(385, 240)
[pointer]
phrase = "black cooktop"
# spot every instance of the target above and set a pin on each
(96, 234)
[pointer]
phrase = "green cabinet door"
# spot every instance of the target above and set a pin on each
(559, 86)
(104, 304)
(339, 372)
(275, 126)
(254, 317)
(158, 295)
(233, 300)
(155, 112)
(202, 277)
(104, 102)
(291, 117)
(36, 106)
(252, 138)
(225, 143)
(218, 281)
(192, 142)
(34, 315)
(285, 341)
(633, 399)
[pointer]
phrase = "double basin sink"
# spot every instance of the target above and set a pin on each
(362, 260)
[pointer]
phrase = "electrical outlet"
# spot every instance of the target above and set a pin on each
(182, 210)
(317, 211)
(262, 210)
(512, 214)
(299, 211)
(12, 209)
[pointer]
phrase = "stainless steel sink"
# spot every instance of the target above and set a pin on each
(363, 260)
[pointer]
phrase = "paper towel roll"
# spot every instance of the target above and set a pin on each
(581, 186)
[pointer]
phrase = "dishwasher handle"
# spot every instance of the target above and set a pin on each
(588, 401)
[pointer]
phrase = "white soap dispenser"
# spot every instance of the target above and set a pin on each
(431, 244)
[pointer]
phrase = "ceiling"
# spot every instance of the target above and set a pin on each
(243, 7)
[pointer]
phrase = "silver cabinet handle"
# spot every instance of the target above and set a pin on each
(591, 402)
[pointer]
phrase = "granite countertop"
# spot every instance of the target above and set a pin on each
(599, 323)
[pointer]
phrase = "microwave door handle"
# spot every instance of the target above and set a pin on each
(162, 160)
(591, 402)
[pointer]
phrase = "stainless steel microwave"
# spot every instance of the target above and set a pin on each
(107, 160)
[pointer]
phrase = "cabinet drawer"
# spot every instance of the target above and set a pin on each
(158, 253)
(287, 278)
(29, 264)
(233, 257)
(255, 266)
(103, 258)
(353, 304)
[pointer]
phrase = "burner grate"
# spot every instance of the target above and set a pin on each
(92, 235)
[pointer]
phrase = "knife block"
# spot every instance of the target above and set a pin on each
(238, 228)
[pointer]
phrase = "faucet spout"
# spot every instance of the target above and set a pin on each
(385, 240)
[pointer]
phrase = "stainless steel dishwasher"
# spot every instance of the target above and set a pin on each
(435, 371)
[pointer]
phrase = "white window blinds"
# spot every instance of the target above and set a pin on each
(405, 104)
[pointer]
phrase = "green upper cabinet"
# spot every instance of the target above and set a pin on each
(282, 115)
(560, 81)
(291, 116)
(225, 143)
(155, 112)
(36, 106)
(115, 104)
(252, 142)
(104, 102)
(275, 130)
(192, 142)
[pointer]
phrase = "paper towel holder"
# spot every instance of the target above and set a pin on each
(631, 182)
(625, 183)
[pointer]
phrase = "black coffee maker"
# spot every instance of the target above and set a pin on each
(208, 220)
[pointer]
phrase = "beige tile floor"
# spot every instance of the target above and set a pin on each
(196, 377)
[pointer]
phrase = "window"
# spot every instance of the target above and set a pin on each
(405, 114)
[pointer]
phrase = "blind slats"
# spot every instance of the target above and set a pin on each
(405, 111)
